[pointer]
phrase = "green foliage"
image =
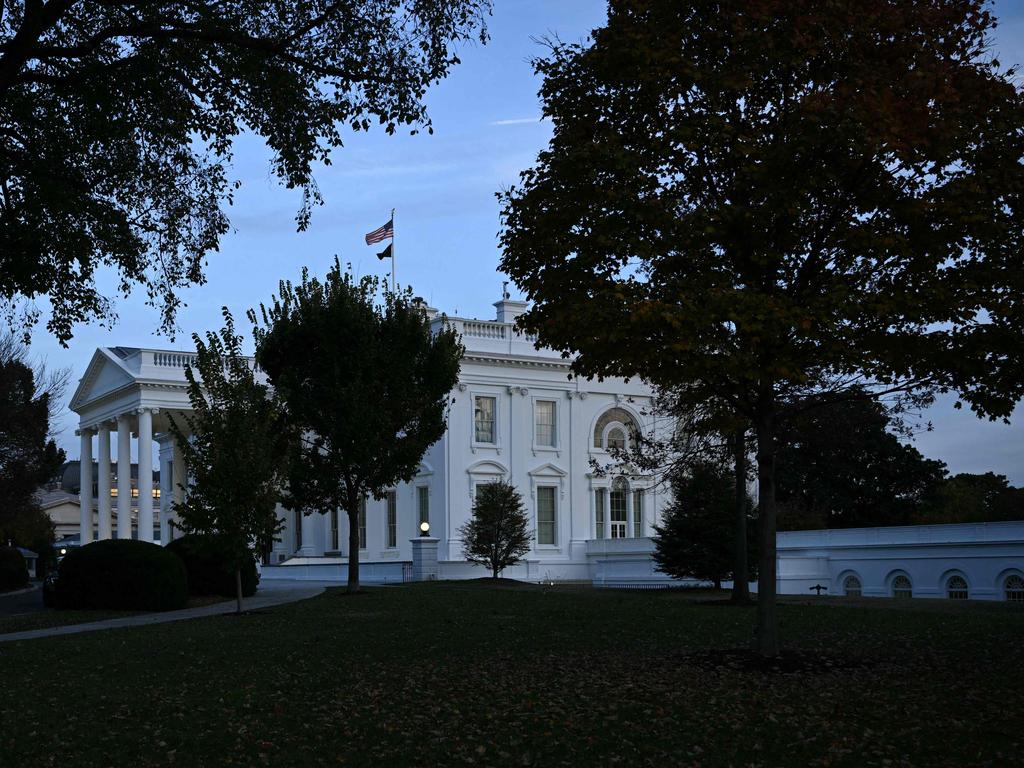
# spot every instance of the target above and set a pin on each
(496, 534)
(697, 536)
(366, 384)
(753, 198)
(840, 466)
(236, 442)
(13, 570)
(209, 567)
(967, 498)
(117, 124)
(122, 574)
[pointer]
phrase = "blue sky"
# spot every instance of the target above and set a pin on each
(485, 132)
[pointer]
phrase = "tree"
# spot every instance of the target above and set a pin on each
(117, 122)
(751, 198)
(840, 466)
(29, 456)
(970, 498)
(235, 442)
(366, 384)
(496, 534)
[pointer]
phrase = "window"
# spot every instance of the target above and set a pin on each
(901, 587)
(423, 504)
(1013, 589)
(362, 523)
(392, 532)
(483, 419)
(638, 513)
(599, 506)
(618, 516)
(851, 586)
(298, 530)
(956, 588)
(546, 515)
(544, 415)
(618, 421)
(334, 529)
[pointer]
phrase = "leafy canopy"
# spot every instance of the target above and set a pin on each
(496, 534)
(117, 122)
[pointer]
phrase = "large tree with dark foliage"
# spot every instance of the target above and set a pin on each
(748, 198)
(117, 121)
(365, 382)
(972, 498)
(236, 443)
(842, 466)
(496, 535)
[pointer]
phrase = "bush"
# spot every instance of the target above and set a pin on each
(13, 571)
(122, 574)
(204, 560)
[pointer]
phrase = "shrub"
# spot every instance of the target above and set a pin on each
(13, 571)
(204, 560)
(122, 574)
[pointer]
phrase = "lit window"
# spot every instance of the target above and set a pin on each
(362, 523)
(546, 515)
(483, 419)
(638, 513)
(334, 530)
(544, 414)
(599, 507)
(618, 516)
(852, 586)
(901, 587)
(392, 502)
(113, 493)
(956, 588)
(156, 493)
(423, 503)
(1013, 589)
(135, 493)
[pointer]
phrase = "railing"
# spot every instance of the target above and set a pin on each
(173, 359)
(483, 330)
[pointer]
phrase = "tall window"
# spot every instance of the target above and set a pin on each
(298, 530)
(638, 513)
(618, 516)
(851, 586)
(392, 532)
(334, 529)
(1013, 589)
(615, 428)
(600, 496)
(901, 587)
(362, 523)
(956, 588)
(483, 419)
(544, 415)
(423, 504)
(546, 515)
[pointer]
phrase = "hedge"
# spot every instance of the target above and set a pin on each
(13, 571)
(204, 560)
(122, 574)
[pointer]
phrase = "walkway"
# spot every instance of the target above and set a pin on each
(267, 596)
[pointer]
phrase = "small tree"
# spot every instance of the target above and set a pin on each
(496, 535)
(366, 384)
(235, 442)
(696, 538)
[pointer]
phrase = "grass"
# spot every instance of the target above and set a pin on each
(23, 622)
(463, 674)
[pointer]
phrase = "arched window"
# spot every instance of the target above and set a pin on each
(956, 588)
(1013, 589)
(901, 586)
(851, 586)
(615, 429)
(617, 516)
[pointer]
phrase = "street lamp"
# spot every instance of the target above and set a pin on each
(424, 528)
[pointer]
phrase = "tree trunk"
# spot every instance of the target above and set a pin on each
(353, 550)
(238, 589)
(718, 583)
(740, 573)
(494, 570)
(767, 638)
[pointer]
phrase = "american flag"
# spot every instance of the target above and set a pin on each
(381, 233)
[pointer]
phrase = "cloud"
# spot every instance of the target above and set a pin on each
(519, 121)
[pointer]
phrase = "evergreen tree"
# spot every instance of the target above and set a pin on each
(496, 534)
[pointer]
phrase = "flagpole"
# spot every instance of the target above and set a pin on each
(394, 285)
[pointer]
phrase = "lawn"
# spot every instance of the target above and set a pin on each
(53, 618)
(459, 674)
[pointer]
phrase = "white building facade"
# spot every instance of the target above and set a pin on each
(517, 414)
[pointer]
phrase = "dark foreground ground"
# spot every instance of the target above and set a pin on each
(460, 674)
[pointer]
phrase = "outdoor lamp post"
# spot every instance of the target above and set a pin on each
(424, 528)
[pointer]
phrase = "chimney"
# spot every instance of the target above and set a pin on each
(509, 310)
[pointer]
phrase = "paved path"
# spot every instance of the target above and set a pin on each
(23, 601)
(273, 593)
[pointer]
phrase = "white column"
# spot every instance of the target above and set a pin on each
(165, 495)
(103, 479)
(178, 479)
(85, 491)
(145, 474)
(124, 478)
(308, 548)
(629, 512)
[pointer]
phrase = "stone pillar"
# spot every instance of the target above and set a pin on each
(124, 478)
(424, 558)
(165, 494)
(85, 490)
(179, 479)
(103, 480)
(145, 474)
(308, 548)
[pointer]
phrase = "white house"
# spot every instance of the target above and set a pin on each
(517, 414)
